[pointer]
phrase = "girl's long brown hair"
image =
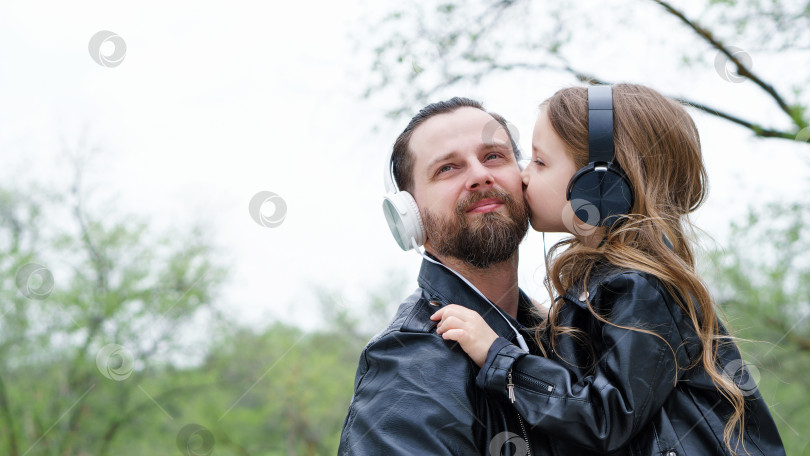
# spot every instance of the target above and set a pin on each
(658, 147)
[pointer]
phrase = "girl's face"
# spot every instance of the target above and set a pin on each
(546, 180)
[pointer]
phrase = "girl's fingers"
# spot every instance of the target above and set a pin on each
(451, 322)
(451, 317)
(448, 322)
(453, 334)
(457, 310)
(450, 309)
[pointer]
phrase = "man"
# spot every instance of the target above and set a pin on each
(414, 392)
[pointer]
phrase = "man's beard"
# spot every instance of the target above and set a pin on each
(487, 239)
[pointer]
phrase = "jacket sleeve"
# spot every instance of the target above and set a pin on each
(410, 398)
(632, 378)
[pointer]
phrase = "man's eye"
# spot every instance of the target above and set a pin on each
(539, 162)
(443, 169)
(493, 156)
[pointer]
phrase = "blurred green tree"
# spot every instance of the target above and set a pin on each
(762, 282)
(92, 308)
(285, 391)
(110, 343)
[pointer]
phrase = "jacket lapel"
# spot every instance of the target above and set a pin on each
(442, 286)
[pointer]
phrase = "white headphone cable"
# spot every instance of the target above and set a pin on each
(519, 336)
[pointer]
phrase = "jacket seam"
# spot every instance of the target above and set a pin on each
(360, 385)
(754, 442)
(657, 438)
(656, 371)
(349, 424)
(705, 419)
(656, 374)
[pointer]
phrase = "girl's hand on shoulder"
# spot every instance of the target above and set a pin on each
(466, 327)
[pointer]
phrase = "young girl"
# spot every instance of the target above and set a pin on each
(635, 360)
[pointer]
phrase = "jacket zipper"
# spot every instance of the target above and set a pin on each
(525, 436)
(511, 389)
(526, 379)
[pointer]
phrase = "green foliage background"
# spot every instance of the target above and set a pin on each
(279, 390)
(143, 306)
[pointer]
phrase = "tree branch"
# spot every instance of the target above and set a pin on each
(450, 78)
(741, 69)
(757, 129)
(802, 343)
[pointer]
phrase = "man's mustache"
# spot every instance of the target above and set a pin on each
(469, 200)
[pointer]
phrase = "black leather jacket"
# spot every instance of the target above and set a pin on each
(629, 403)
(415, 393)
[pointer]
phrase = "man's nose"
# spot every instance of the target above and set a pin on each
(479, 176)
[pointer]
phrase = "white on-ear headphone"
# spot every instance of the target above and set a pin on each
(402, 213)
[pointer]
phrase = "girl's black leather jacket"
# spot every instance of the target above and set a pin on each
(642, 395)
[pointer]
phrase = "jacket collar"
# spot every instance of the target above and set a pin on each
(443, 286)
(578, 293)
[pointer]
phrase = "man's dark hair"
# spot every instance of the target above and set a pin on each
(402, 156)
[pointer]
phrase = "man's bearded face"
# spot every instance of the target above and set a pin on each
(479, 239)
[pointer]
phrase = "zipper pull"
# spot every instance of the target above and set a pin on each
(510, 387)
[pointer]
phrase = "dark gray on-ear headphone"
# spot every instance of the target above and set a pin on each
(600, 192)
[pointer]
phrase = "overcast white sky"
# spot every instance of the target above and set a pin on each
(215, 102)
